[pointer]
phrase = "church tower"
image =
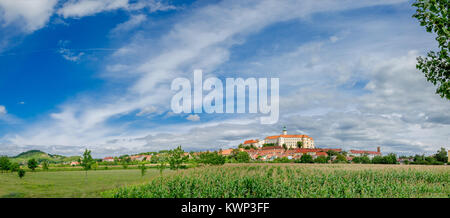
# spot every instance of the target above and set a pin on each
(284, 130)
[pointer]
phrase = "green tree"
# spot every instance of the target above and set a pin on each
(365, 159)
(242, 157)
(356, 160)
(340, 158)
(300, 144)
(441, 155)
(285, 147)
(32, 164)
(21, 173)
(4, 163)
(14, 167)
(86, 161)
(176, 158)
(212, 158)
(434, 15)
(306, 158)
(390, 159)
(143, 169)
(45, 165)
(321, 159)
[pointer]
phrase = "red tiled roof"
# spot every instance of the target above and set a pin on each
(108, 158)
(227, 151)
(288, 136)
(271, 147)
(250, 141)
(363, 152)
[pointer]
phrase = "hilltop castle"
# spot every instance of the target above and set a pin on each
(291, 141)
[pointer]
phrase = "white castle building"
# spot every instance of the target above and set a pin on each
(280, 140)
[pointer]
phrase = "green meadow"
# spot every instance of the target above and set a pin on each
(62, 184)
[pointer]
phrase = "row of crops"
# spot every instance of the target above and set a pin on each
(295, 181)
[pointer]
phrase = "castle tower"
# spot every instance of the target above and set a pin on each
(284, 130)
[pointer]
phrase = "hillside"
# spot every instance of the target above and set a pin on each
(41, 156)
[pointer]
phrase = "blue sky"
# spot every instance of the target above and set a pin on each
(96, 74)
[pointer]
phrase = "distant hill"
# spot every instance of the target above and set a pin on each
(41, 156)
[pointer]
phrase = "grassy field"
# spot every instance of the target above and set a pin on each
(70, 183)
(297, 181)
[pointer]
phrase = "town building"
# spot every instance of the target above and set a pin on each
(361, 153)
(108, 159)
(291, 141)
(254, 142)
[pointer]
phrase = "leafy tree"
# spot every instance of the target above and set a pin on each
(356, 160)
(87, 161)
(242, 157)
(378, 160)
(212, 158)
(45, 165)
(95, 165)
(306, 158)
(14, 167)
(321, 159)
(32, 164)
(390, 159)
(332, 153)
(340, 158)
(365, 159)
(21, 173)
(176, 158)
(433, 14)
(441, 155)
(300, 144)
(282, 160)
(285, 147)
(4, 163)
(143, 169)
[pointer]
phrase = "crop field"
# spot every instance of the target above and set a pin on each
(70, 183)
(296, 181)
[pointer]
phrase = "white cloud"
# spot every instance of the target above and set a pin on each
(2, 109)
(133, 22)
(81, 8)
(147, 111)
(193, 117)
(68, 54)
(30, 15)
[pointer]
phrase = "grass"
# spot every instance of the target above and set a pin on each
(70, 183)
(297, 181)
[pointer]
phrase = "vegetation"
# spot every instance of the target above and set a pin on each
(296, 180)
(4, 163)
(87, 161)
(211, 158)
(436, 66)
(239, 157)
(63, 184)
(176, 158)
(306, 158)
(32, 164)
(21, 173)
(143, 169)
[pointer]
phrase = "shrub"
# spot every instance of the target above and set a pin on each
(306, 158)
(21, 173)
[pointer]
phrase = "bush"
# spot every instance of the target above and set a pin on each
(32, 164)
(306, 158)
(212, 158)
(321, 159)
(21, 173)
(4, 163)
